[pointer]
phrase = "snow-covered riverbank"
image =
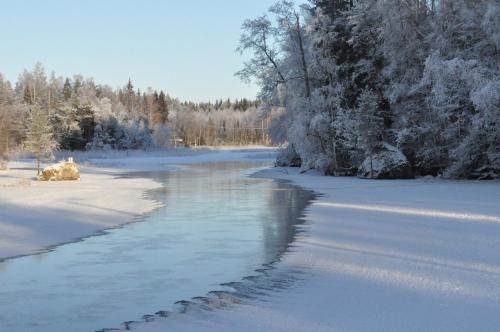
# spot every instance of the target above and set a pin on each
(409, 255)
(36, 215)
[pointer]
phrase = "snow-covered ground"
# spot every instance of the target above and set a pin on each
(36, 215)
(409, 255)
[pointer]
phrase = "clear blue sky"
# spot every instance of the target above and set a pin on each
(184, 47)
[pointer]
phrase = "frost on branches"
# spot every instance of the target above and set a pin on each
(82, 115)
(356, 77)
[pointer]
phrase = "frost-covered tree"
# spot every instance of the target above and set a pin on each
(370, 124)
(6, 118)
(258, 37)
(162, 136)
(40, 139)
(290, 29)
(97, 117)
(67, 90)
(419, 75)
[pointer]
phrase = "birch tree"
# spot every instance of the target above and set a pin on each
(259, 37)
(291, 31)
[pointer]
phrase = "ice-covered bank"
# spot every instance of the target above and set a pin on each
(37, 215)
(409, 255)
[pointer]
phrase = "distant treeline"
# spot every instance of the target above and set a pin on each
(85, 115)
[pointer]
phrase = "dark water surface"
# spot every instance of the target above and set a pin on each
(218, 225)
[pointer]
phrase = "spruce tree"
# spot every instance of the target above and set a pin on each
(162, 108)
(39, 136)
(130, 95)
(67, 90)
(28, 99)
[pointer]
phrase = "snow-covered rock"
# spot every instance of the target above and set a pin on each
(288, 157)
(3, 165)
(62, 171)
(387, 163)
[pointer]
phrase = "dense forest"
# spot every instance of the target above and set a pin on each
(78, 114)
(361, 84)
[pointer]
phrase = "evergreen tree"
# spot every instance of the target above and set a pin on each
(77, 84)
(67, 90)
(39, 136)
(162, 110)
(130, 95)
(28, 98)
(333, 8)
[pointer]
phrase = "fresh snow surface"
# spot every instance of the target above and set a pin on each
(401, 255)
(35, 216)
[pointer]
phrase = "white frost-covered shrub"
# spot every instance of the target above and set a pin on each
(385, 163)
(288, 157)
(161, 136)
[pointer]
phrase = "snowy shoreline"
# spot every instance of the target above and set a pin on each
(402, 255)
(38, 216)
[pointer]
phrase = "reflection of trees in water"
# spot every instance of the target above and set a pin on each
(286, 207)
(220, 186)
(228, 165)
(223, 176)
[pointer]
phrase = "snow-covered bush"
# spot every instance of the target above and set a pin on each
(386, 162)
(288, 157)
(161, 136)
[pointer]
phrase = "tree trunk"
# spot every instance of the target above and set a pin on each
(303, 56)
(263, 133)
(371, 165)
(37, 165)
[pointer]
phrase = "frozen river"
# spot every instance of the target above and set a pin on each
(216, 225)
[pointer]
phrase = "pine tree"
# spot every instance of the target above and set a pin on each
(162, 108)
(67, 90)
(28, 98)
(77, 84)
(130, 96)
(39, 136)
